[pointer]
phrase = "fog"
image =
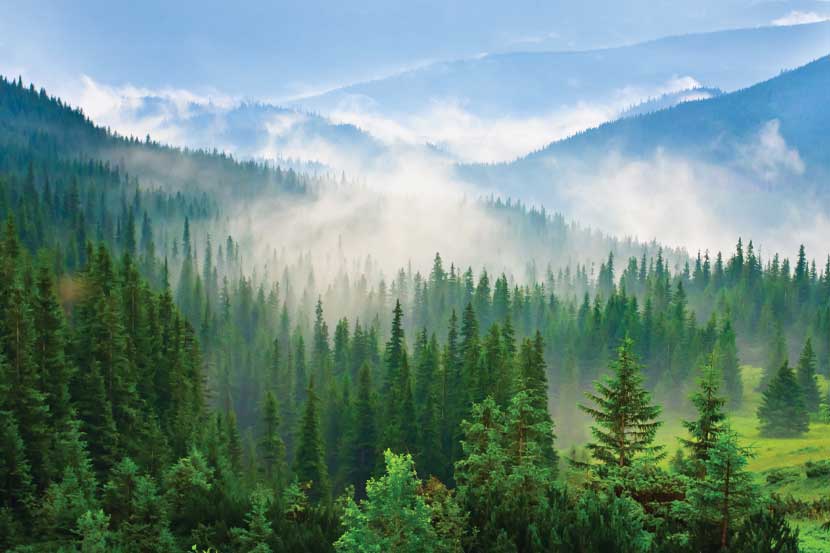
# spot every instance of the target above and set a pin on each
(401, 201)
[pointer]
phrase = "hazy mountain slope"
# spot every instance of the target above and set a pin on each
(529, 83)
(34, 124)
(754, 162)
(716, 129)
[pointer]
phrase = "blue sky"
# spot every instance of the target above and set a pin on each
(275, 50)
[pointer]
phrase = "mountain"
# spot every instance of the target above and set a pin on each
(46, 129)
(251, 130)
(529, 83)
(755, 161)
(671, 99)
(791, 107)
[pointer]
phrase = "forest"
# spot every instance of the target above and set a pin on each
(166, 386)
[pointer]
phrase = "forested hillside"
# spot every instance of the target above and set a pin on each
(166, 385)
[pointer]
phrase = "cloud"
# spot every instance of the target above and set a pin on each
(138, 111)
(470, 137)
(799, 18)
(768, 156)
(695, 205)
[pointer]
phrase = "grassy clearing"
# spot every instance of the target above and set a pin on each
(771, 454)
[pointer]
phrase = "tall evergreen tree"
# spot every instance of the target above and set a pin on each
(309, 461)
(271, 446)
(782, 412)
(708, 402)
(716, 503)
(726, 363)
(806, 376)
(625, 419)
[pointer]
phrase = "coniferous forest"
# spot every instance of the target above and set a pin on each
(167, 384)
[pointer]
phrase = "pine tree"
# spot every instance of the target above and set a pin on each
(17, 492)
(716, 503)
(766, 530)
(21, 389)
(709, 404)
(782, 413)
(776, 356)
(309, 462)
(393, 517)
(363, 438)
(137, 511)
(806, 376)
(76, 490)
(257, 534)
(534, 382)
(50, 347)
(625, 420)
(727, 364)
(271, 446)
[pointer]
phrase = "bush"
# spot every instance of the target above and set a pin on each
(817, 469)
(781, 475)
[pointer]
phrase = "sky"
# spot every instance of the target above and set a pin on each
(275, 51)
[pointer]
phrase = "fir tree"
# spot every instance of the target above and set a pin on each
(309, 462)
(625, 420)
(806, 376)
(782, 413)
(258, 533)
(716, 503)
(271, 446)
(709, 404)
(363, 436)
(726, 363)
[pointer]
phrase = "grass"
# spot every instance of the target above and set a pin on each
(779, 464)
(812, 538)
(770, 454)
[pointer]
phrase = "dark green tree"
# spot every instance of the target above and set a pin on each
(310, 462)
(806, 376)
(625, 419)
(782, 412)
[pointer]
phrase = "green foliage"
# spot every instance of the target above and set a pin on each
(782, 413)
(504, 478)
(717, 502)
(806, 376)
(257, 534)
(709, 403)
(625, 420)
(309, 463)
(394, 516)
(766, 531)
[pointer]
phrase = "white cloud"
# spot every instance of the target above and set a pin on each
(138, 111)
(769, 156)
(469, 137)
(800, 18)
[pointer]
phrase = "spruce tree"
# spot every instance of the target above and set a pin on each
(17, 491)
(393, 516)
(271, 446)
(716, 503)
(726, 363)
(708, 402)
(258, 533)
(625, 419)
(309, 461)
(50, 347)
(363, 437)
(806, 376)
(782, 413)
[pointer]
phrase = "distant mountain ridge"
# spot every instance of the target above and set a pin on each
(528, 83)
